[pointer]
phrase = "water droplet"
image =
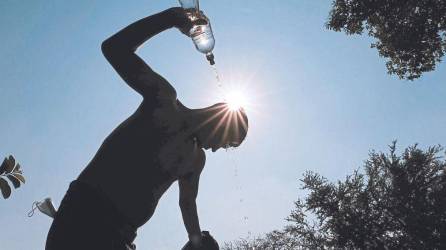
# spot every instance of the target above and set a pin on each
(217, 76)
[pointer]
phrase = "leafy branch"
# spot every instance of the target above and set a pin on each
(11, 171)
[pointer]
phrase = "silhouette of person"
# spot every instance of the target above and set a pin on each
(162, 142)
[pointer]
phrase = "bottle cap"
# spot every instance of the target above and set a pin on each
(46, 207)
(210, 58)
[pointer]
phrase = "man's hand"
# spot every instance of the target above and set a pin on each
(181, 20)
(207, 243)
(196, 240)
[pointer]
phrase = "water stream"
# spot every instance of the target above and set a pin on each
(217, 76)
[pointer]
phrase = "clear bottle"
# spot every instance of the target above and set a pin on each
(190, 4)
(203, 39)
(201, 31)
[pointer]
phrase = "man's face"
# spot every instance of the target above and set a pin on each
(222, 127)
(228, 133)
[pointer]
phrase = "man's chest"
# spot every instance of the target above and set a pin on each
(180, 156)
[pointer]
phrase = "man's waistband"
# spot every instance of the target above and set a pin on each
(93, 202)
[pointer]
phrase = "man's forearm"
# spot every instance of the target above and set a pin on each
(190, 218)
(134, 35)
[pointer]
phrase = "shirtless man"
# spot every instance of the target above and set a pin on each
(162, 142)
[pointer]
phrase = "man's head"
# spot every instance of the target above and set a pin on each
(221, 127)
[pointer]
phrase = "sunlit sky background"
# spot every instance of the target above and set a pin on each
(321, 102)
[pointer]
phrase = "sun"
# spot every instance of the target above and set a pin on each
(239, 90)
(236, 99)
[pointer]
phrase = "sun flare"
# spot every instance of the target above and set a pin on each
(240, 90)
(236, 100)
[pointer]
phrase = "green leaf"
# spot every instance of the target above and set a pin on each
(15, 182)
(20, 177)
(12, 160)
(5, 188)
(3, 166)
(10, 164)
(17, 168)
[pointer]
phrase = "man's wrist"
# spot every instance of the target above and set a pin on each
(178, 17)
(195, 239)
(173, 16)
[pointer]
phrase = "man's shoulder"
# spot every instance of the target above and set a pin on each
(200, 161)
(201, 158)
(196, 167)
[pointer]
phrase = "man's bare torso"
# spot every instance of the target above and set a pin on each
(143, 156)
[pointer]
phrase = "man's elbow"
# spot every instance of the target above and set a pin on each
(115, 45)
(108, 48)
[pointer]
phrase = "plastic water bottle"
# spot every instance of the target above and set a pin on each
(201, 31)
(204, 40)
(45, 206)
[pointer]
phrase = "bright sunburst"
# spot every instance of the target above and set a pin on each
(239, 88)
(236, 99)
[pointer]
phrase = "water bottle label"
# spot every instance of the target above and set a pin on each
(196, 31)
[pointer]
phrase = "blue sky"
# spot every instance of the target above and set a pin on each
(321, 102)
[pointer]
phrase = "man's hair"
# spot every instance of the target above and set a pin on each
(241, 125)
(230, 126)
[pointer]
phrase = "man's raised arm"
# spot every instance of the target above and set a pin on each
(120, 49)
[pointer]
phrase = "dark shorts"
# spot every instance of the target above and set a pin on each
(87, 220)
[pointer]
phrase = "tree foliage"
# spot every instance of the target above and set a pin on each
(397, 202)
(411, 34)
(11, 171)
